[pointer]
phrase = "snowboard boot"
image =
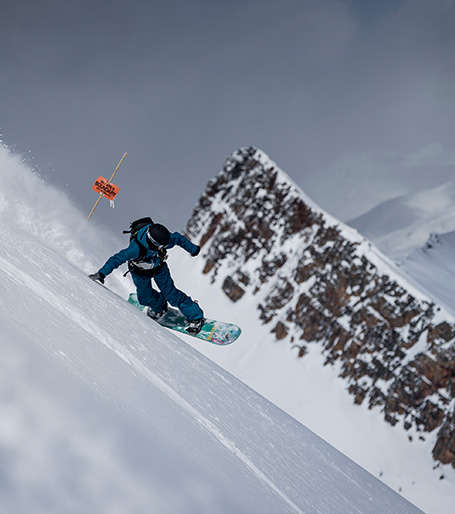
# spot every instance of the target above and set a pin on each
(194, 326)
(157, 315)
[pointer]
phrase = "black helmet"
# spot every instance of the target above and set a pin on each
(158, 235)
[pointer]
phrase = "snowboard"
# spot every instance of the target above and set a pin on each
(213, 331)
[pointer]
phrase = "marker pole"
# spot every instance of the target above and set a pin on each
(110, 180)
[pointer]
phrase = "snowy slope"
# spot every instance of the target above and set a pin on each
(103, 411)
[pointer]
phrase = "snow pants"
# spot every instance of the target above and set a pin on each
(167, 292)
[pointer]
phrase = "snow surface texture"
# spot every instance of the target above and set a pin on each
(314, 394)
(104, 411)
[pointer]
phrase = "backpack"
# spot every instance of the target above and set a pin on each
(135, 226)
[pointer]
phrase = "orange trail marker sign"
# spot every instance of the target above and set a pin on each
(105, 187)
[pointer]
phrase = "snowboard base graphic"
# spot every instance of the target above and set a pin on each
(213, 331)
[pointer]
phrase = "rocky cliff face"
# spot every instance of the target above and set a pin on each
(316, 281)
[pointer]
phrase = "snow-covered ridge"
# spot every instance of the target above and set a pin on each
(402, 225)
(316, 280)
(104, 411)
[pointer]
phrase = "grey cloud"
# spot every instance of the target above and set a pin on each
(179, 85)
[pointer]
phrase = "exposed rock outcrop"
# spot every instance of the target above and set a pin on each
(321, 283)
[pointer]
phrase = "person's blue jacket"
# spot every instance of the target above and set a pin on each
(151, 256)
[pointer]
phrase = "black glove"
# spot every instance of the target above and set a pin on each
(98, 276)
(196, 252)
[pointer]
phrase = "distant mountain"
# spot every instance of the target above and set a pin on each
(417, 231)
(315, 281)
(404, 224)
(433, 266)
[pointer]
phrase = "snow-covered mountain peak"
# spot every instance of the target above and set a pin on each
(314, 280)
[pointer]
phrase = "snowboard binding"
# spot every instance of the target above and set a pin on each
(157, 315)
(194, 326)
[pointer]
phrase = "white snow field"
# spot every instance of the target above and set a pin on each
(103, 411)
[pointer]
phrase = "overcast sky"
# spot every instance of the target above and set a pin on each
(354, 99)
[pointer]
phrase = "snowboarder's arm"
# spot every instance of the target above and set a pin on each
(183, 242)
(132, 252)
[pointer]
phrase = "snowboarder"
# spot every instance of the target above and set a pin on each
(146, 257)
